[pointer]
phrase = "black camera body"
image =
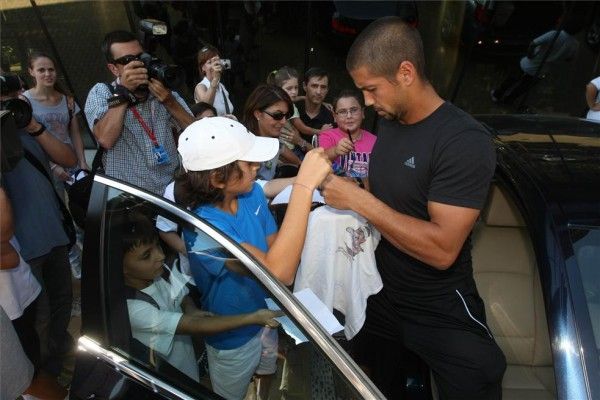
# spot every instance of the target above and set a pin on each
(21, 111)
(171, 76)
(11, 149)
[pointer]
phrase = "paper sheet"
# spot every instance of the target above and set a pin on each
(315, 307)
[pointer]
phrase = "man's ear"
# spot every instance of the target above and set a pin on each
(304, 86)
(113, 69)
(406, 73)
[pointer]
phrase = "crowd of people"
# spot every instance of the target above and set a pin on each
(225, 171)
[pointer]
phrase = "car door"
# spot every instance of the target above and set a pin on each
(117, 361)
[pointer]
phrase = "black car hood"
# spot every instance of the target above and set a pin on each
(562, 155)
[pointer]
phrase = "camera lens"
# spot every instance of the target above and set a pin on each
(21, 111)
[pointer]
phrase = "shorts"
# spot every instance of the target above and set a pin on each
(231, 370)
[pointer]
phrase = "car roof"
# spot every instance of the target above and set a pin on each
(561, 154)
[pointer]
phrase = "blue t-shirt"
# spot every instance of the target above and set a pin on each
(225, 292)
(36, 212)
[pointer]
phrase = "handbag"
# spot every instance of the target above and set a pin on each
(67, 219)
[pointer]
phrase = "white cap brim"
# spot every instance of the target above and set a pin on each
(263, 149)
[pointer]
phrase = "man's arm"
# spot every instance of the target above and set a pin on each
(436, 242)
(165, 96)
(59, 152)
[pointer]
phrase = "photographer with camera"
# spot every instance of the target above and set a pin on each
(136, 118)
(40, 224)
(210, 90)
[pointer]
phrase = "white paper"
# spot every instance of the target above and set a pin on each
(318, 310)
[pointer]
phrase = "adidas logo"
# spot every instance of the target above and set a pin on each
(410, 162)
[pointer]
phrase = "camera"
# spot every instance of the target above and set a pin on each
(226, 63)
(11, 150)
(171, 76)
(21, 110)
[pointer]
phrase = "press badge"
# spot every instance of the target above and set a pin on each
(160, 155)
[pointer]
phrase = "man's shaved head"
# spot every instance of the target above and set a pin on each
(383, 45)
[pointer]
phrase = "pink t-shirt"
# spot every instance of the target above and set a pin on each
(355, 163)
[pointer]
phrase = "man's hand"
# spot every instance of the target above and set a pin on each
(339, 192)
(160, 91)
(134, 75)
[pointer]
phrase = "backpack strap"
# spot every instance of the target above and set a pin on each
(135, 294)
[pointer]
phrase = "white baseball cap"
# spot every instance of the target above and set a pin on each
(214, 142)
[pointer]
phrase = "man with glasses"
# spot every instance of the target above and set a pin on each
(135, 119)
(429, 176)
(312, 111)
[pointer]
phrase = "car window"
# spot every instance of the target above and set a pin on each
(160, 269)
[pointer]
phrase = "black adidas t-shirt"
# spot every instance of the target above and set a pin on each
(447, 158)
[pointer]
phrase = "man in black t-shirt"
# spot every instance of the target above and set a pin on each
(312, 111)
(429, 175)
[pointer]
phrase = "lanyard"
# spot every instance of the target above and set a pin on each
(147, 129)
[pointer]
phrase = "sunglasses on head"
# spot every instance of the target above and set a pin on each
(277, 116)
(127, 59)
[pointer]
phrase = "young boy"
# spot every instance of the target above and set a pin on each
(161, 313)
(221, 159)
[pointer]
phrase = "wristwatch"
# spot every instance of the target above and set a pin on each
(121, 95)
(39, 131)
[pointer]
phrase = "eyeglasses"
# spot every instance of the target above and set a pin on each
(344, 113)
(127, 59)
(277, 116)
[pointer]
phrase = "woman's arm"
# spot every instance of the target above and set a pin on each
(77, 141)
(288, 157)
(283, 255)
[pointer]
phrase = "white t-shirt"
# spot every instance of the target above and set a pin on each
(219, 101)
(338, 263)
(595, 115)
(155, 327)
(18, 286)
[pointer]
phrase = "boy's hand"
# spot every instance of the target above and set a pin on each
(314, 168)
(267, 317)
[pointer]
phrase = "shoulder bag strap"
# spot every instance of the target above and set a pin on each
(38, 165)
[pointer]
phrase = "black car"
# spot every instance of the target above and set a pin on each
(536, 261)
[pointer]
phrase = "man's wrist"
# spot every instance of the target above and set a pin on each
(122, 95)
(38, 131)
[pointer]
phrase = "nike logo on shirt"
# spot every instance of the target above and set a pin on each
(257, 210)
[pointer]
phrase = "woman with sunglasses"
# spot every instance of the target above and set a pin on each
(266, 111)
(210, 90)
(348, 146)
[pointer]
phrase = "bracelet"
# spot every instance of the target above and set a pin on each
(39, 131)
(303, 185)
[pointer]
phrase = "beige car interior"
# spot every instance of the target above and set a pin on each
(507, 278)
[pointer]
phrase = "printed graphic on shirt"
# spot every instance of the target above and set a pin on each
(58, 124)
(354, 164)
(410, 162)
(353, 241)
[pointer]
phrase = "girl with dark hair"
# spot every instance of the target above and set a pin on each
(266, 111)
(56, 109)
(210, 89)
(348, 146)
